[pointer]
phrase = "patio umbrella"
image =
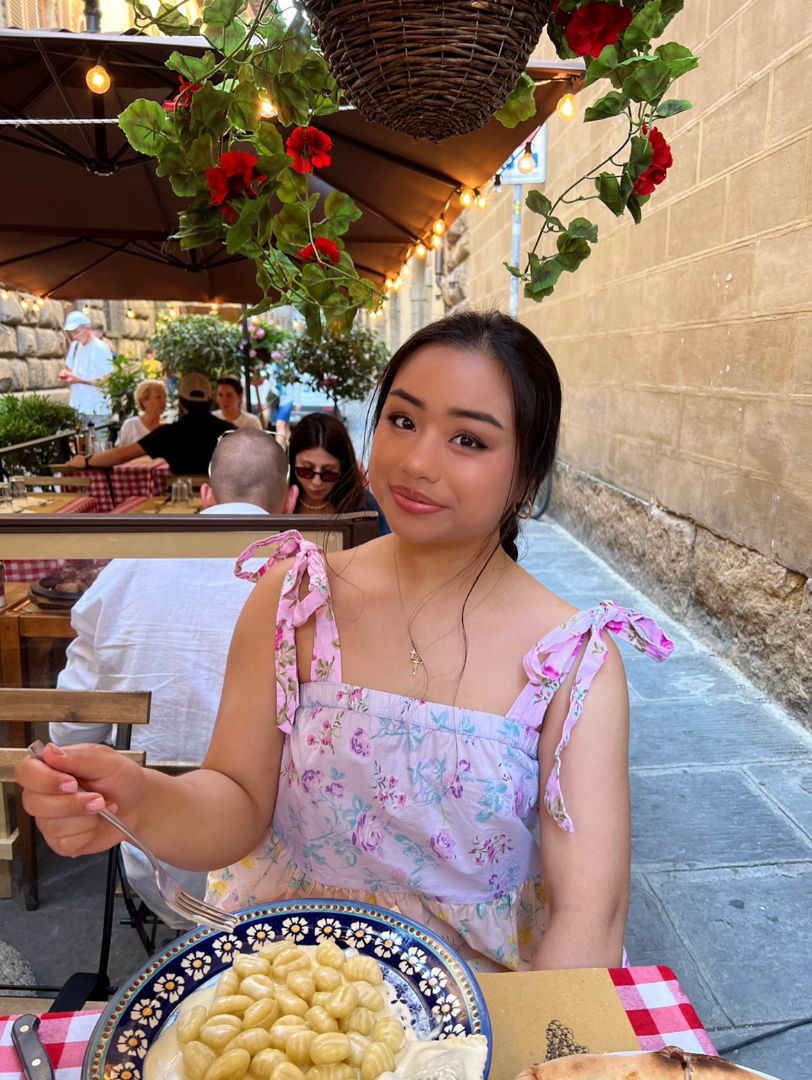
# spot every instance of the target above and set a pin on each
(82, 214)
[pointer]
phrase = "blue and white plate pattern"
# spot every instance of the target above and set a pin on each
(429, 977)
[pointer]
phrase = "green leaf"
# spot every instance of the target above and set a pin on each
(201, 153)
(239, 235)
(290, 99)
(268, 138)
(677, 58)
(290, 226)
(222, 12)
(520, 104)
(544, 273)
(639, 158)
(244, 107)
(193, 68)
(538, 203)
(514, 270)
(209, 111)
(228, 39)
(648, 81)
(170, 20)
(293, 52)
(646, 25)
(600, 66)
(668, 9)
(146, 125)
(612, 104)
(341, 211)
(633, 204)
(583, 229)
(671, 108)
(292, 186)
(572, 250)
(609, 193)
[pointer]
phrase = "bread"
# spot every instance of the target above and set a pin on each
(668, 1064)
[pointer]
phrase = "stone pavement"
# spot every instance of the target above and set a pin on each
(722, 859)
(722, 833)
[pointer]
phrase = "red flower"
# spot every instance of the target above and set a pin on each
(661, 162)
(183, 99)
(233, 176)
(326, 248)
(591, 28)
(309, 148)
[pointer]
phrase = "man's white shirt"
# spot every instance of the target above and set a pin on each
(91, 361)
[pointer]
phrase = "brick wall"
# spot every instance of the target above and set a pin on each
(683, 344)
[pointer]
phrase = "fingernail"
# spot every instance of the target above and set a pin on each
(69, 786)
(94, 805)
(56, 750)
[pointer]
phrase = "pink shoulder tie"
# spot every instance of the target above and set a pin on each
(294, 612)
(548, 665)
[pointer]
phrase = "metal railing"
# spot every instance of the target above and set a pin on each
(62, 447)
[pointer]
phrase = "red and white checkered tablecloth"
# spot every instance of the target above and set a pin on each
(143, 478)
(34, 569)
(659, 1010)
(657, 1006)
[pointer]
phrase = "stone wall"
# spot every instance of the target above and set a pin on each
(684, 343)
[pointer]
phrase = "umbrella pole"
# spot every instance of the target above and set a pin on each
(245, 345)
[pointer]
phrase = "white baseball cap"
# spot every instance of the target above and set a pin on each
(75, 319)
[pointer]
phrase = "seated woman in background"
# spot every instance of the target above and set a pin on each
(229, 400)
(326, 469)
(150, 400)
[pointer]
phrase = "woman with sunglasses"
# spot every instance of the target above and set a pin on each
(326, 469)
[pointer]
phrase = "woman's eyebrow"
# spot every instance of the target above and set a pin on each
(468, 414)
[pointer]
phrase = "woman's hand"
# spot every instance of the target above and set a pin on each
(66, 790)
(77, 461)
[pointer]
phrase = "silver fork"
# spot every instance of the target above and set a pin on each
(177, 898)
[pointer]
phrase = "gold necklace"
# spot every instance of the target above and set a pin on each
(314, 506)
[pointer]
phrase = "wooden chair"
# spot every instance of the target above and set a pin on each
(22, 709)
(56, 481)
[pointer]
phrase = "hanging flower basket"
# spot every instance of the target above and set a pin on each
(428, 69)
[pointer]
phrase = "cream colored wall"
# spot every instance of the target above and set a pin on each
(684, 344)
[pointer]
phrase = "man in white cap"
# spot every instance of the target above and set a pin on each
(186, 445)
(87, 363)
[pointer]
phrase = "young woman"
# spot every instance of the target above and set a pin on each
(326, 470)
(150, 400)
(429, 727)
(229, 402)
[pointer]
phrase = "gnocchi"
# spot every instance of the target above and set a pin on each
(289, 1012)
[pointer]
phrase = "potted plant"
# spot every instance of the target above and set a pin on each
(345, 366)
(204, 343)
(29, 417)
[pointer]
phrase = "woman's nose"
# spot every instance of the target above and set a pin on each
(422, 461)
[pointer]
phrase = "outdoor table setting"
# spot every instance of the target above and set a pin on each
(144, 477)
(466, 1026)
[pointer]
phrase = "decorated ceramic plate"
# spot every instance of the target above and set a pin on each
(427, 975)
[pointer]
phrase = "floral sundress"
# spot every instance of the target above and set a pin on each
(430, 810)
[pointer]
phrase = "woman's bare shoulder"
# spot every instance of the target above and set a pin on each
(543, 609)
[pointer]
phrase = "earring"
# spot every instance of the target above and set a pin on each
(525, 511)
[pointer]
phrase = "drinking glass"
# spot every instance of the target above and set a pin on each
(18, 488)
(5, 497)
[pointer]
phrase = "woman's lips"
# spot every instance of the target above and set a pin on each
(414, 502)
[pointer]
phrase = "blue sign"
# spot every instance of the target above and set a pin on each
(510, 172)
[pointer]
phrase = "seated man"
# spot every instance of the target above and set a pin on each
(186, 445)
(165, 625)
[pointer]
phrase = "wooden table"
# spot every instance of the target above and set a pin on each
(159, 505)
(42, 502)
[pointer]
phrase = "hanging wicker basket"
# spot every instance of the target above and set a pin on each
(428, 68)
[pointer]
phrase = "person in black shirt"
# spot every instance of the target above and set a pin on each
(186, 446)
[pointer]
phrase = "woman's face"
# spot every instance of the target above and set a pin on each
(316, 489)
(154, 401)
(228, 400)
(443, 453)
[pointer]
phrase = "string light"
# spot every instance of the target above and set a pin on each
(496, 189)
(480, 200)
(407, 269)
(526, 162)
(438, 228)
(214, 308)
(466, 197)
(130, 313)
(566, 107)
(267, 109)
(397, 283)
(420, 250)
(98, 80)
(389, 284)
(436, 241)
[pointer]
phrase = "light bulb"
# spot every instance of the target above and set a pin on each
(481, 201)
(466, 197)
(566, 107)
(130, 313)
(407, 269)
(98, 80)
(497, 185)
(389, 284)
(436, 241)
(214, 308)
(438, 228)
(398, 282)
(526, 162)
(267, 109)
(420, 250)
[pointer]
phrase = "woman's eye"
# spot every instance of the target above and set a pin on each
(468, 442)
(401, 421)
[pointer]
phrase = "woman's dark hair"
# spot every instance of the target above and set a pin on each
(328, 433)
(535, 389)
(233, 382)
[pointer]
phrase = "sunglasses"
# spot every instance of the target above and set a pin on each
(328, 476)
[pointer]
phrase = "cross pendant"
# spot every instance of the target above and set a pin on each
(414, 660)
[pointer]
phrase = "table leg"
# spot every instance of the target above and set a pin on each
(5, 834)
(20, 736)
(11, 660)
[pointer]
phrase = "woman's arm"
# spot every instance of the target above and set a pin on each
(586, 872)
(199, 821)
